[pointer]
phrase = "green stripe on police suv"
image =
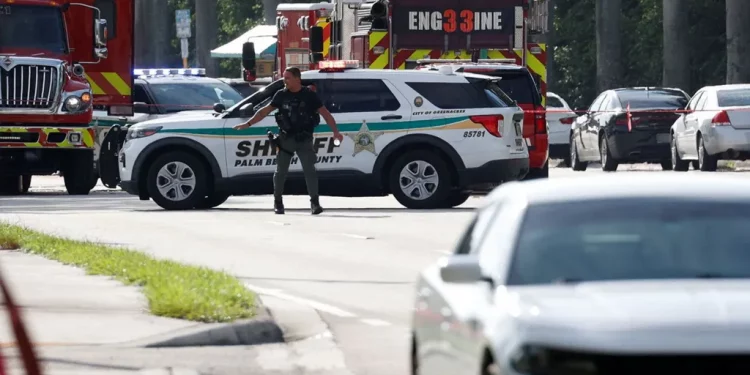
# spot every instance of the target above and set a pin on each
(323, 128)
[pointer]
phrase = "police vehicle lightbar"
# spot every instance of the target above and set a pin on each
(170, 72)
(337, 65)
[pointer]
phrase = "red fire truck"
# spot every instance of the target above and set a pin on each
(58, 60)
(404, 34)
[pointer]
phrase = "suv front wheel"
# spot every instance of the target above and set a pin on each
(420, 179)
(177, 181)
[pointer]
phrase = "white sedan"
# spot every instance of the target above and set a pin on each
(617, 274)
(560, 117)
(715, 126)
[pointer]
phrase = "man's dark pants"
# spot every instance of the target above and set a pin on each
(303, 147)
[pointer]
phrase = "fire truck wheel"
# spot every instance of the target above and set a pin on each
(178, 181)
(12, 184)
(78, 173)
(420, 179)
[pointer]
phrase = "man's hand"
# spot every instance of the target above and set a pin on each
(244, 125)
(337, 135)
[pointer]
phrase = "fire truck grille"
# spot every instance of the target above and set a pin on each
(28, 86)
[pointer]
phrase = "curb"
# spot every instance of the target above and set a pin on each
(261, 329)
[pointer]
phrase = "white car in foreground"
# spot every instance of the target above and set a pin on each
(617, 274)
(716, 126)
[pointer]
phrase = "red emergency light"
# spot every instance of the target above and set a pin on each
(337, 65)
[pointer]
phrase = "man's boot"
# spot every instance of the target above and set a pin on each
(315, 206)
(278, 206)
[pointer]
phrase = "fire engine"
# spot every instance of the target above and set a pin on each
(404, 34)
(58, 61)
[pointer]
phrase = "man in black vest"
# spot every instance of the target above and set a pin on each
(299, 110)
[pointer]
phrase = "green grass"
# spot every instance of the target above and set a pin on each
(173, 290)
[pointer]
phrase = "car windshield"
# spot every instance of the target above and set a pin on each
(32, 27)
(640, 99)
(176, 97)
(632, 239)
(516, 84)
(259, 96)
(733, 98)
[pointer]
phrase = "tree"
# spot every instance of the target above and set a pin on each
(608, 44)
(738, 41)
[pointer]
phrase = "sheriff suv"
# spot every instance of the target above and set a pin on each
(427, 153)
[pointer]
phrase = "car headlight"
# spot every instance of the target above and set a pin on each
(140, 132)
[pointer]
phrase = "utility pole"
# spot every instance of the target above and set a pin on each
(676, 47)
(143, 44)
(738, 41)
(206, 38)
(160, 32)
(608, 44)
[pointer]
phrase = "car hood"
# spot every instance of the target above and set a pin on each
(184, 119)
(686, 315)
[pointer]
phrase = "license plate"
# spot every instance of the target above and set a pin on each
(662, 138)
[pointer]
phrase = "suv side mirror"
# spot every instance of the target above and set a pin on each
(248, 56)
(316, 43)
(219, 107)
(140, 107)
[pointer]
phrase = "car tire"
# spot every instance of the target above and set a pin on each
(609, 164)
(79, 174)
(212, 201)
(405, 175)
(537, 173)
(695, 165)
(191, 187)
(706, 162)
(455, 199)
(575, 162)
(677, 163)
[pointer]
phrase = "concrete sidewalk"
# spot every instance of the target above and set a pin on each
(64, 306)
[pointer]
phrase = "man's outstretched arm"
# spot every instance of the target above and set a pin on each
(323, 111)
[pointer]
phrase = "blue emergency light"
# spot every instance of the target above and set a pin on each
(199, 72)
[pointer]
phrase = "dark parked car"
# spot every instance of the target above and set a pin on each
(627, 126)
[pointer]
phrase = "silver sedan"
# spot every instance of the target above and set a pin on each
(617, 274)
(715, 126)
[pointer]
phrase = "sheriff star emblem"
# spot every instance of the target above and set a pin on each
(364, 140)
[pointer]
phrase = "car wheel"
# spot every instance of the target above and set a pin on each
(212, 201)
(537, 173)
(177, 181)
(677, 163)
(609, 164)
(575, 162)
(455, 199)
(706, 162)
(420, 180)
(695, 165)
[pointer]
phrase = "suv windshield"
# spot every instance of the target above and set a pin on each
(640, 99)
(32, 27)
(176, 97)
(632, 239)
(733, 98)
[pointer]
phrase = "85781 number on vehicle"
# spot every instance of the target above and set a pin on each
(474, 133)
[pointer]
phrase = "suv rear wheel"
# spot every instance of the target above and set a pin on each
(178, 181)
(420, 179)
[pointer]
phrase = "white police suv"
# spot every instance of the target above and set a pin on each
(427, 137)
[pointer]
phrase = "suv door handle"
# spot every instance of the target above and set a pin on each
(391, 117)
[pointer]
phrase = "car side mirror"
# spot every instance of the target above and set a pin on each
(140, 107)
(461, 269)
(219, 107)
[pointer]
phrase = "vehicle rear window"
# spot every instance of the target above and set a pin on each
(666, 99)
(517, 84)
(554, 102)
(632, 239)
(733, 98)
(477, 93)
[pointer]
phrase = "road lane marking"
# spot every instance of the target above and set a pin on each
(320, 306)
(357, 236)
(279, 223)
(375, 322)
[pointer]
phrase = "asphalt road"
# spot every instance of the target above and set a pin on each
(356, 263)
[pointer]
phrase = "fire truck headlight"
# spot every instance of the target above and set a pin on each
(73, 103)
